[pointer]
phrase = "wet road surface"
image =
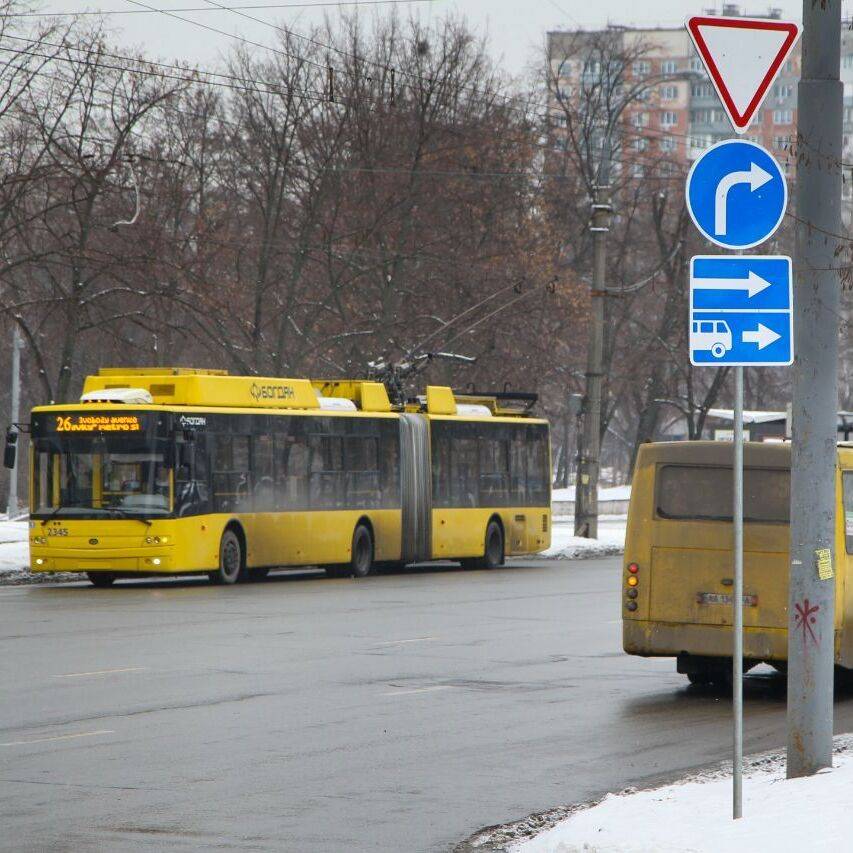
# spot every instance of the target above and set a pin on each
(397, 713)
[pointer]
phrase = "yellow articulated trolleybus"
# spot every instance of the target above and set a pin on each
(678, 572)
(176, 471)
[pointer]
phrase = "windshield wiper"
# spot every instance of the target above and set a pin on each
(56, 509)
(118, 512)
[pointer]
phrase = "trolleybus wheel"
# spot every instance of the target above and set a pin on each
(362, 552)
(230, 569)
(493, 550)
(101, 579)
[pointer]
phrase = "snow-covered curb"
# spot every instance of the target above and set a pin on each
(694, 814)
(566, 546)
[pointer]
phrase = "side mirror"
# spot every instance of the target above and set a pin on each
(11, 450)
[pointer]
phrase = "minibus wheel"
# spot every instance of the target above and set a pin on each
(230, 560)
(362, 552)
(101, 579)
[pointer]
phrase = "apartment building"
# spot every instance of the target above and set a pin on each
(676, 113)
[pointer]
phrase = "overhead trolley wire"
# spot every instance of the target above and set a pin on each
(253, 7)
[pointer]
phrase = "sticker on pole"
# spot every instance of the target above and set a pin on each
(741, 311)
(736, 194)
(743, 56)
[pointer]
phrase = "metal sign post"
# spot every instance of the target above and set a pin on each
(737, 601)
(741, 307)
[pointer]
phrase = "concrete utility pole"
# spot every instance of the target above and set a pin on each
(589, 447)
(17, 344)
(811, 602)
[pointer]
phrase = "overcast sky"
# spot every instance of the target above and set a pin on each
(516, 29)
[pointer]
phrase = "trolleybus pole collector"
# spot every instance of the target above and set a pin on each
(175, 470)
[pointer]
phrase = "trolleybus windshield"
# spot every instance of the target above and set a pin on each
(98, 476)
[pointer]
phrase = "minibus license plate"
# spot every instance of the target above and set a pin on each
(723, 598)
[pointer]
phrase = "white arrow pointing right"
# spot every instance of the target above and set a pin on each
(753, 284)
(761, 336)
(756, 177)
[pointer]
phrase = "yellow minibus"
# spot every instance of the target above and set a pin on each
(677, 578)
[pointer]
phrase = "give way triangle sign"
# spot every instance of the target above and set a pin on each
(743, 56)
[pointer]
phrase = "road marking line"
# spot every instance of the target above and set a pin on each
(101, 672)
(58, 737)
(420, 690)
(401, 642)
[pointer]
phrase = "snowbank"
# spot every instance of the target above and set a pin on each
(14, 545)
(695, 814)
(612, 493)
(566, 546)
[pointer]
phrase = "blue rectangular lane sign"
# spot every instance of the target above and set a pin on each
(741, 311)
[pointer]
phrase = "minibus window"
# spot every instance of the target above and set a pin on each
(847, 480)
(699, 492)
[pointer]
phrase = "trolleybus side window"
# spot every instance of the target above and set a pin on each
(389, 463)
(327, 471)
(231, 487)
(494, 468)
(705, 493)
(464, 468)
(517, 468)
(291, 466)
(263, 482)
(489, 464)
(538, 466)
(361, 454)
(192, 492)
(847, 483)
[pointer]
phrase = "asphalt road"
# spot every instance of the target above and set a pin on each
(397, 713)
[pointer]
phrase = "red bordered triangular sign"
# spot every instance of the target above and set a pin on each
(743, 56)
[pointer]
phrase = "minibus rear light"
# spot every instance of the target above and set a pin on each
(633, 568)
(632, 581)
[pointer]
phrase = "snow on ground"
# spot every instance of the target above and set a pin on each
(14, 547)
(566, 546)
(611, 493)
(785, 816)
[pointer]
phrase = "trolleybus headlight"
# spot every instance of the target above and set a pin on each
(39, 540)
(39, 562)
(632, 581)
(156, 561)
(631, 605)
(149, 540)
(633, 568)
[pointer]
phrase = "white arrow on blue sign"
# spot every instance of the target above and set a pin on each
(736, 194)
(741, 311)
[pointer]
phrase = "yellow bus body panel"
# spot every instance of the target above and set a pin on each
(192, 544)
(680, 559)
(462, 532)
